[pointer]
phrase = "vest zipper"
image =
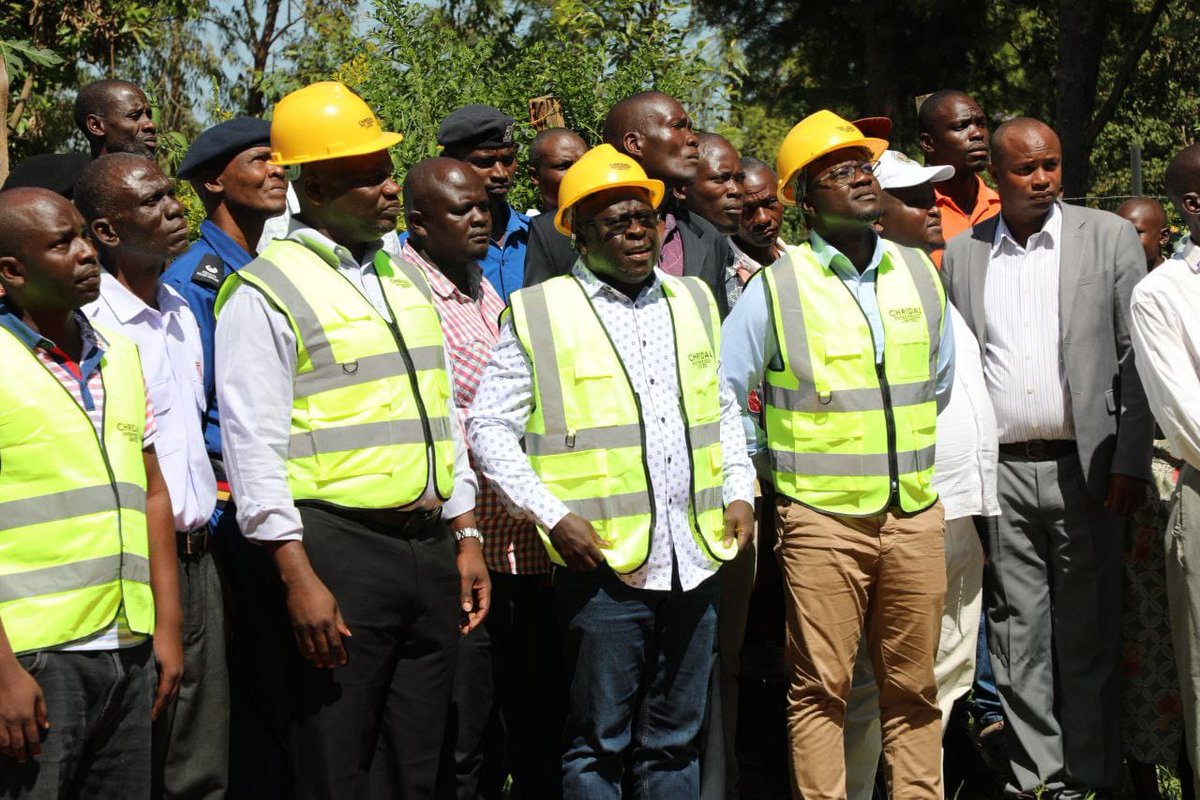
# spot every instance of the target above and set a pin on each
(412, 378)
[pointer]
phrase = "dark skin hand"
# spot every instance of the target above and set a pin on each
(475, 584)
(23, 716)
(739, 524)
(578, 543)
(316, 619)
(1126, 494)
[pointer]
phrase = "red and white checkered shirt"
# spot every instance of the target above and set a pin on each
(471, 327)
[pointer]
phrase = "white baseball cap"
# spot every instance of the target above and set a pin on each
(898, 171)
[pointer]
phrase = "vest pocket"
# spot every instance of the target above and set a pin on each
(908, 361)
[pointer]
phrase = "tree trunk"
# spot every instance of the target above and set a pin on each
(1081, 31)
(260, 48)
(3, 123)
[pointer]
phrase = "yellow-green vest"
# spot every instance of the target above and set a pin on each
(73, 542)
(848, 436)
(586, 436)
(369, 397)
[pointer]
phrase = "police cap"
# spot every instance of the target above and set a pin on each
(474, 127)
(224, 141)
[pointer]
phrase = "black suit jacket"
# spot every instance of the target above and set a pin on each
(706, 253)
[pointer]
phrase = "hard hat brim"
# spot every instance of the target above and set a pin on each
(385, 140)
(786, 188)
(656, 188)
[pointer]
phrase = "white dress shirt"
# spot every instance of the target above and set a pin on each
(255, 354)
(1165, 327)
(642, 333)
(964, 467)
(168, 341)
(1023, 362)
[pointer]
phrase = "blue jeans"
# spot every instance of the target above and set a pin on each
(639, 663)
(985, 702)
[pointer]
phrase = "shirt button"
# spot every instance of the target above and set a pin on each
(668, 459)
(662, 419)
(1029, 391)
(652, 381)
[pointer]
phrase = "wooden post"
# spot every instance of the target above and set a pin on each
(545, 112)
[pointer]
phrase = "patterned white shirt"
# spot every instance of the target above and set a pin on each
(641, 331)
(1022, 363)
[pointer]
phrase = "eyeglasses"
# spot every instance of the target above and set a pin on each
(842, 175)
(621, 223)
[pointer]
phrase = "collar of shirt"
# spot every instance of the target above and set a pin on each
(594, 287)
(517, 223)
(833, 259)
(441, 285)
(1047, 237)
(94, 344)
(986, 199)
(1189, 253)
(224, 246)
(330, 251)
(127, 306)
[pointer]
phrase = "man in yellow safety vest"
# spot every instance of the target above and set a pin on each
(635, 470)
(848, 334)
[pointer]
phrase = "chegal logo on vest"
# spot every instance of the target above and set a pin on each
(910, 314)
(700, 359)
(129, 430)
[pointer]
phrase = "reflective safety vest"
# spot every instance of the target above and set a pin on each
(368, 395)
(586, 436)
(73, 541)
(848, 436)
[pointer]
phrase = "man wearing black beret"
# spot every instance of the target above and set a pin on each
(482, 137)
(229, 167)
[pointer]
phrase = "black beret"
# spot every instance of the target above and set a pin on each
(224, 140)
(474, 127)
(54, 171)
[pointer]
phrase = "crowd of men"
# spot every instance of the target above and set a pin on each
(307, 506)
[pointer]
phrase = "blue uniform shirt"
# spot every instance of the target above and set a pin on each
(198, 282)
(504, 264)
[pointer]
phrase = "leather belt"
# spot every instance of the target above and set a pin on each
(1040, 449)
(390, 521)
(191, 544)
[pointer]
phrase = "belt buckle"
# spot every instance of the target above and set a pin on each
(1037, 450)
(193, 541)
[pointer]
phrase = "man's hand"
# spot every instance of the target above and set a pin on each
(168, 652)
(739, 524)
(476, 584)
(22, 712)
(1126, 494)
(578, 543)
(316, 622)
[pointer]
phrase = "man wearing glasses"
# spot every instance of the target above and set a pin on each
(634, 467)
(849, 335)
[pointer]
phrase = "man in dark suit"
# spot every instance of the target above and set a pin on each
(1046, 288)
(653, 129)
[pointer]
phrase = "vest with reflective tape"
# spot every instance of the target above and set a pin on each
(368, 396)
(586, 436)
(845, 434)
(73, 542)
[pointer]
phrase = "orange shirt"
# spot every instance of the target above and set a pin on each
(955, 221)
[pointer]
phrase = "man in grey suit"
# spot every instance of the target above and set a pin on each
(656, 131)
(1046, 287)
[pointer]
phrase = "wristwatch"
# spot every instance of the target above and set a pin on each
(468, 533)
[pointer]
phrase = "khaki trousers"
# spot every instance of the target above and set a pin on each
(882, 578)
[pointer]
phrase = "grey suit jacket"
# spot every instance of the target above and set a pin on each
(1101, 262)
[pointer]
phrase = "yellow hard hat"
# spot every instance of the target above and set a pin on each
(600, 168)
(812, 137)
(322, 121)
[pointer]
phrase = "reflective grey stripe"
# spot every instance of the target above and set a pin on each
(545, 359)
(705, 435)
(365, 370)
(549, 444)
(850, 465)
(795, 333)
(804, 399)
(76, 575)
(366, 435)
(411, 271)
(700, 295)
(710, 498)
(930, 301)
(71, 503)
(312, 335)
(630, 504)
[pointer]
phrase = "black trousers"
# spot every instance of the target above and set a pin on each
(373, 728)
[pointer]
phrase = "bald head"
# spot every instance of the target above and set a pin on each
(24, 210)
(935, 104)
(1150, 221)
(115, 117)
(47, 262)
(1183, 187)
(716, 194)
(1027, 167)
(448, 214)
(552, 153)
(98, 190)
(1016, 134)
(655, 130)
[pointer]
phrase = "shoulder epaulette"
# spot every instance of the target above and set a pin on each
(209, 272)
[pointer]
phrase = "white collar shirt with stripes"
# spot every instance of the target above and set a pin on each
(642, 334)
(1023, 362)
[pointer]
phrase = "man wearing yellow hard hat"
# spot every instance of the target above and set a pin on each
(848, 335)
(634, 468)
(345, 457)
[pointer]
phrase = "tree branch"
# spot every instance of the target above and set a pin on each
(1125, 72)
